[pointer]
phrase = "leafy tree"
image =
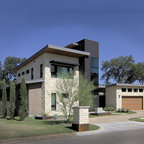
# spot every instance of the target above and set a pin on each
(85, 92)
(71, 91)
(23, 101)
(12, 99)
(4, 99)
(140, 72)
(121, 69)
(10, 63)
(67, 94)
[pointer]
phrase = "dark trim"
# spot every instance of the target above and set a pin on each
(62, 63)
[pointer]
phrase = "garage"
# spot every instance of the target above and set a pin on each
(132, 102)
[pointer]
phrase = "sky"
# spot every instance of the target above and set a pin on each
(26, 26)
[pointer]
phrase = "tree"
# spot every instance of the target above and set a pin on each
(4, 99)
(67, 94)
(10, 63)
(140, 72)
(23, 101)
(121, 69)
(12, 99)
(85, 92)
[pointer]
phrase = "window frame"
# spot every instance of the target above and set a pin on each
(54, 74)
(53, 107)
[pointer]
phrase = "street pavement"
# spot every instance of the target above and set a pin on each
(120, 137)
(110, 133)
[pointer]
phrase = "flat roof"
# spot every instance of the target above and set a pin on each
(125, 85)
(56, 50)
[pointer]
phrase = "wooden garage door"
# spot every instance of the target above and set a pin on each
(132, 103)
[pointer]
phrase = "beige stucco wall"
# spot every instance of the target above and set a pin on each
(111, 96)
(114, 95)
(35, 64)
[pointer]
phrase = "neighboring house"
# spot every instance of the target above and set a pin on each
(41, 72)
(127, 96)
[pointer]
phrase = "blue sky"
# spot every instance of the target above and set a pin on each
(28, 25)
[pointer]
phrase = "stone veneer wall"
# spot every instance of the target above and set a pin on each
(81, 115)
(50, 83)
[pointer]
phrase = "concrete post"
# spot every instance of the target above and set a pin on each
(81, 118)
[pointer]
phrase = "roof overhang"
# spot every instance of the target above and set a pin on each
(55, 50)
(125, 85)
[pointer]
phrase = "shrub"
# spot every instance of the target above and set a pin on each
(23, 101)
(12, 100)
(4, 99)
(110, 108)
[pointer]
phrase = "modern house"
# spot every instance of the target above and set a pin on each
(127, 96)
(41, 72)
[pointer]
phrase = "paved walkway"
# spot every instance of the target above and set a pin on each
(118, 118)
(114, 127)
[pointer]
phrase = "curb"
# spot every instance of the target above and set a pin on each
(34, 138)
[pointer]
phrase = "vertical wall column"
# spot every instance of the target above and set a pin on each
(81, 118)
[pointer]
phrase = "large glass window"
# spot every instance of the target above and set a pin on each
(62, 70)
(94, 63)
(53, 101)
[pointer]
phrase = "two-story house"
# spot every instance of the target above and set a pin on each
(41, 71)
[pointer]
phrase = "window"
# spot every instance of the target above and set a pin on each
(32, 76)
(23, 73)
(65, 95)
(129, 90)
(19, 74)
(123, 89)
(62, 70)
(27, 71)
(94, 63)
(53, 101)
(135, 90)
(140, 90)
(41, 71)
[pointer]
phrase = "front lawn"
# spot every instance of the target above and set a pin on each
(137, 119)
(32, 127)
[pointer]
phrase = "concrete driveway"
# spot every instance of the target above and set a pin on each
(117, 118)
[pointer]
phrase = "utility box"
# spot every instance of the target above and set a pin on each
(81, 118)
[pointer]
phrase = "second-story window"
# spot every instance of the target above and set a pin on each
(23, 73)
(32, 75)
(41, 71)
(61, 70)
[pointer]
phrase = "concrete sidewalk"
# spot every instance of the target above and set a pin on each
(114, 127)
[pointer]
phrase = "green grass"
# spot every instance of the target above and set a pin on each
(94, 127)
(137, 119)
(32, 127)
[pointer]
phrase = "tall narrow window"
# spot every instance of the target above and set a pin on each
(32, 76)
(53, 101)
(41, 71)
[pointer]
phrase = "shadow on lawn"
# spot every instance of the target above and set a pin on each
(53, 122)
